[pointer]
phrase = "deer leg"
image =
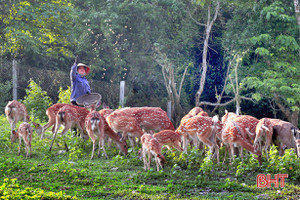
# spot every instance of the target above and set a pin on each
(92, 156)
(157, 164)
(149, 159)
(131, 143)
(232, 150)
(184, 142)
(144, 159)
(241, 152)
(20, 143)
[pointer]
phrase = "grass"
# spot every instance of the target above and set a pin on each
(72, 175)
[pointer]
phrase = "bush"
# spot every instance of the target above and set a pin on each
(5, 94)
(64, 95)
(37, 101)
(10, 189)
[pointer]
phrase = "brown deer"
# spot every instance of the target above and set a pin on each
(149, 118)
(296, 135)
(150, 145)
(15, 112)
(228, 116)
(264, 133)
(113, 136)
(94, 124)
(24, 132)
(169, 138)
(51, 113)
(71, 116)
(193, 112)
(202, 128)
(128, 126)
(233, 134)
(283, 135)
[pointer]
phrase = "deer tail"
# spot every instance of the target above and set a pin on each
(61, 116)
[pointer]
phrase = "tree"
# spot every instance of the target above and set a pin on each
(210, 19)
(34, 27)
(271, 67)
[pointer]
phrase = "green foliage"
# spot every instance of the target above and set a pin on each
(36, 26)
(64, 96)
(270, 68)
(206, 166)
(37, 101)
(5, 93)
(10, 189)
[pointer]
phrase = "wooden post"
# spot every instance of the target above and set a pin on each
(122, 92)
(15, 79)
(169, 110)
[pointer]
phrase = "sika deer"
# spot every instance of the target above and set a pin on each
(150, 145)
(94, 124)
(195, 111)
(232, 135)
(169, 138)
(264, 133)
(15, 112)
(150, 118)
(111, 134)
(128, 126)
(51, 113)
(24, 132)
(203, 128)
(71, 116)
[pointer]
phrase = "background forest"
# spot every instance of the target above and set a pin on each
(219, 54)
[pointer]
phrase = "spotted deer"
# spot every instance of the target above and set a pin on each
(264, 133)
(24, 132)
(150, 145)
(169, 138)
(233, 134)
(228, 116)
(51, 113)
(193, 112)
(15, 112)
(202, 128)
(127, 126)
(112, 135)
(94, 124)
(248, 125)
(71, 116)
(148, 118)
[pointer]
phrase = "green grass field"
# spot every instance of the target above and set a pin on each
(72, 175)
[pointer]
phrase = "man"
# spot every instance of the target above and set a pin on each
(79, 84)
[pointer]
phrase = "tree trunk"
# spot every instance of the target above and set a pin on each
(170, 84)
(292, 116)
(208, 28)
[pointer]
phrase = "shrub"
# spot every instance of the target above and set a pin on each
(37, 101)
(10, 189)
(64, 95)
(5, 94)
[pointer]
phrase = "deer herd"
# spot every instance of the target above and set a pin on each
(153, 129)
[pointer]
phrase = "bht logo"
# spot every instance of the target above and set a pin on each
(265, 181)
